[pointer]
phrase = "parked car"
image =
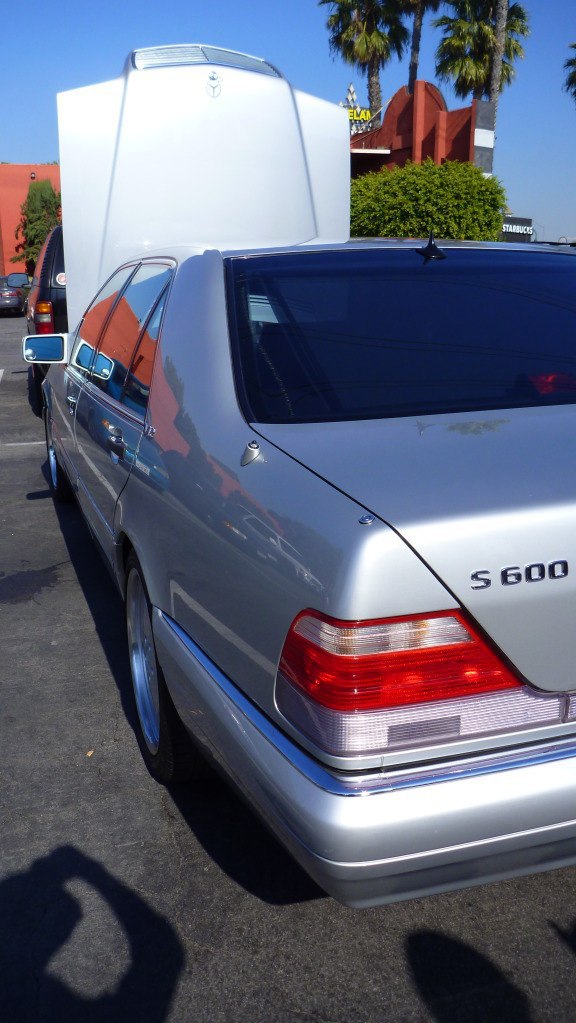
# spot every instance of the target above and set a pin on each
(46, 311)
(11, 297)
(394, 691)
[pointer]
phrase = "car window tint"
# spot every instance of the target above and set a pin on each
(376, 332)
(94, 319)
(121, 334)
(137, 384)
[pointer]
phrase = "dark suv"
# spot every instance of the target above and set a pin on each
(46, 306)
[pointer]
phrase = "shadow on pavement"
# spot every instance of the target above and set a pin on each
(39, 917)
(231, 834)
(459, 985)
(102, 597)
(241, 845)
(568, 937)
(34, 392)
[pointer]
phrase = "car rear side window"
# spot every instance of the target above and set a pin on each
(89, 331)
(379, 332)
(137, 383)
(121, 334)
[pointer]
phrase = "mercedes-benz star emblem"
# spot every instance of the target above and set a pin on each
(214, 85)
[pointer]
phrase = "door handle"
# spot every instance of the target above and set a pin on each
(116, 443)
(72, 403)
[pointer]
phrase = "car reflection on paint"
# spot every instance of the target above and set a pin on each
(244, 525)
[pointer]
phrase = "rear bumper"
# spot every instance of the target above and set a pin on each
(380, 838)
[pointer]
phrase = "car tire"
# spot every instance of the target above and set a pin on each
(167, 749)
(60, 486)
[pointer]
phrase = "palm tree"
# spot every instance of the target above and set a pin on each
(417, 9)
(367, 33)
(570, 68)
(500, 19)
(470, 46)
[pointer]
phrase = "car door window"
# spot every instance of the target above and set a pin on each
(122, 332)
(94, 319)
(137, 384)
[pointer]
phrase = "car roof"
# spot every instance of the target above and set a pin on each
(184, 251)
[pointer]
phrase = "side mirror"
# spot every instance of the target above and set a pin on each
(46, 348)
(17, 280)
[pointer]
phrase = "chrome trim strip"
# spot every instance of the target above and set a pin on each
(371, 783)
(113, 404)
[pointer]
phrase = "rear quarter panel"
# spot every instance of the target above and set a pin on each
(234, 552)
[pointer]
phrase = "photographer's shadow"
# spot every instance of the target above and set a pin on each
(457, 983)
(38, 917)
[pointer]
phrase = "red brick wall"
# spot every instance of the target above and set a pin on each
(15, 180)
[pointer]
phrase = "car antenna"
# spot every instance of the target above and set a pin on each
(431, 250)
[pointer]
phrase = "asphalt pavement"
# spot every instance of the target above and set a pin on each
(122, 900)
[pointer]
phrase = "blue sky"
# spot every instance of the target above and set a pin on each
(75, 43)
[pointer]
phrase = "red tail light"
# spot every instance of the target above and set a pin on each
(44, 318)
(363, 688)
(366, 666)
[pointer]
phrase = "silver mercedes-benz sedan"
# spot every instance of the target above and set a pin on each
(337, 488)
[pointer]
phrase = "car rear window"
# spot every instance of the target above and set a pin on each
(372, 333)
(58, 275)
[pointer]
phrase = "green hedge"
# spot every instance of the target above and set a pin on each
(39, 213)
(454, 200)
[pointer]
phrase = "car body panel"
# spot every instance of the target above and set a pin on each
(374, 839)
(61, 397)
(242, 624)
(504, 504)
(106, 439)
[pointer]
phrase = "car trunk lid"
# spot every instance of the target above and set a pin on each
(487, 500)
